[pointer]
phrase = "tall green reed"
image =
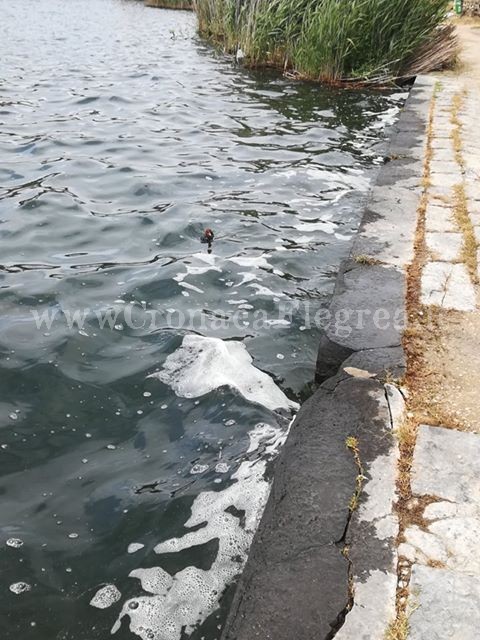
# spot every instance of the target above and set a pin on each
(329, 40)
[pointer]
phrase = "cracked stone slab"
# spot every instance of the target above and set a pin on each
(370, 300)
(443, 605)
(447, 285)
(445, 246)
(426, 546)
(446, 464)
(439, 218)
(371, 536)
(389, 222)
(371, 615)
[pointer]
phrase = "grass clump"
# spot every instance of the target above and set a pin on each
(333, 40)
(398, 629)
(469, 249)
(367, 260)
(352, 444)
(170, 4)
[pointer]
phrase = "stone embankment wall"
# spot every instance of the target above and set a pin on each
(323, 563)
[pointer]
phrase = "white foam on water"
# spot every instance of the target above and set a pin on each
(154, 580)
(195, 271)
(304, 240)
(198, 468)
(105, 597)
(246, 277)
(186, 599)
(342, 236)
(202, 364)
(243, 301)
(265, 291)
(323, 225)
(280, 322)
(259, 262)
(192, 287)
(15, 543)
(269, 435)
(19, 587)
(133, 547)
(208, 258)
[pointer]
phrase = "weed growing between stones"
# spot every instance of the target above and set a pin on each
(170, 4)
(352, 443)
(413, 343)
(398, 629)
(457, 103)
(469, 248)
(367, 260)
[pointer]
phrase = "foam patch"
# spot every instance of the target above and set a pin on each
(19, 587)
(202, 364)
(183, 601)
(133, 547)
(105, 597)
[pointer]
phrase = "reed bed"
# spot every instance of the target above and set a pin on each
(334, 41)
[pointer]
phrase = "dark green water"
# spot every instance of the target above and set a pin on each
(121, 138)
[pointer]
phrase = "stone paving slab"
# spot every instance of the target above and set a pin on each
(446, 464)
(442, 190)
(475, 215)
(439, 218)
(442, 149)
(444, 605)
(445, 581)
(447, 285)
(472, 190)
(444, 246)
(451, 287)
(444, 166)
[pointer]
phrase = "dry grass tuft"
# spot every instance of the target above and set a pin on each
(457, 103)
(171, 4)
(398, 629)
(469, 249)
(369, 260)
(440, 52)
(352, 443)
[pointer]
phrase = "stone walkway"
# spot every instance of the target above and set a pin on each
(438, 557)
(451, 272)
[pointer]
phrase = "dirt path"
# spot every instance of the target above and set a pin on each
(468, 31)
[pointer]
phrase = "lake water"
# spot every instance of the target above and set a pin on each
(145, 383)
